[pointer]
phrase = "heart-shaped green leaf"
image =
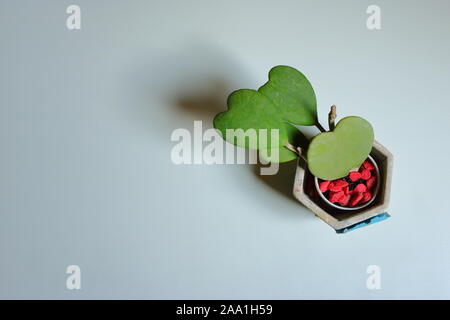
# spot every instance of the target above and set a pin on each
(249, 109)
(292, 94)
(331, 155)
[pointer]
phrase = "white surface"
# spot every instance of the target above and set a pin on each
(86, 176)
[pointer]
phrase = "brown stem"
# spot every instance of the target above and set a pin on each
(296, 150)
(332, 117)
(319, 126)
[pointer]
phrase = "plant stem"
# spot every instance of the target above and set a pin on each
(332, 117)
(297, 150)
(319, 126)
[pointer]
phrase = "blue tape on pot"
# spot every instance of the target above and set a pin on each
(375, 219)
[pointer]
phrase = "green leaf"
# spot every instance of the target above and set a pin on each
(249, 109)
(331, 155)
(292, 94)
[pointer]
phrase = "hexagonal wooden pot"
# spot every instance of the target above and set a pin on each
(341, 220)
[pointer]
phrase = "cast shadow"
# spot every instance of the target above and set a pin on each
(193, 84)
(205, 104)
(283, 181)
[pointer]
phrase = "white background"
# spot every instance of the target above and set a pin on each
(85, 171)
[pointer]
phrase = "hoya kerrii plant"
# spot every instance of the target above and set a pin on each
(287, 99)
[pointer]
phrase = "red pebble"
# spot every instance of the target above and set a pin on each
(344, 200)
(360, 188)
(341, 183)
(365, 174)
(356, 198)
(338, 185)
(323, 186)
(354, 175)
(366, 196)
(368, 165)
(335, 196)
(371, 182)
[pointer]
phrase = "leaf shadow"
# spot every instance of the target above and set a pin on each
(283, 181)
(204, 105)
(193, 83)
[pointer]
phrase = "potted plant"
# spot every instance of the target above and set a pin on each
(343, 174)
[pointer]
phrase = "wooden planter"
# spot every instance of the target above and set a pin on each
(340, 220)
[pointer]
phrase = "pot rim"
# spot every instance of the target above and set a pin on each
(375, 193)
